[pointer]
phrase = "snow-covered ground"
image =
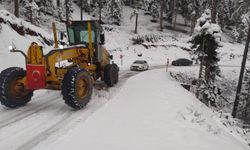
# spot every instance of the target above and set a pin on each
(147, 111)
(148, 115)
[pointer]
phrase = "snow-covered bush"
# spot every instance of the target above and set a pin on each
(140, 39)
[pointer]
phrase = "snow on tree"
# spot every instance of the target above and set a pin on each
(185, 9)
(153, 8)
(110, 11)
(114, 10)
(205, 45)
(241, 17)
(68, 9)
(241, 28)
(196, 9)
(30, 11)
(46, 6)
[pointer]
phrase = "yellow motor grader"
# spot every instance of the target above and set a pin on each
(73, 70)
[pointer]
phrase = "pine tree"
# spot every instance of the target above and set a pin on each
(154, 9)
(68, 9)
(114, 9)
(185, 9)
(30, 11)
(241, 25)
(197, 7)
(205, 45)
(46, 7)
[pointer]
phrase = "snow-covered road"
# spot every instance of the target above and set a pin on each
(46, 117)
(151, 112)
(143, 111)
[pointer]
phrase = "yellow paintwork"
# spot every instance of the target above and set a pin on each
(34, 54)
(79, 57)
(55, 34)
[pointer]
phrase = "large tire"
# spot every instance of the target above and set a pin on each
(77, 88)
(109, 75)
(116, 73)
(13, 94)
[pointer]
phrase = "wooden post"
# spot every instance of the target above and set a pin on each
(243, 64)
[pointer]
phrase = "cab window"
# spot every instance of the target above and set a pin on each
(84, 36)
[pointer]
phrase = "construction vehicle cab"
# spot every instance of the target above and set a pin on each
(73, 69)
(88, 34)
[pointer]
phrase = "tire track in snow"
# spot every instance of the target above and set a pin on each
(70, 118)
(46, 133)
(26, 113)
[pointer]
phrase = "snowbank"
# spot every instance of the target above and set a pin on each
(15, 31)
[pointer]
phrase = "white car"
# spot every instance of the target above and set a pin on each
(139, 65)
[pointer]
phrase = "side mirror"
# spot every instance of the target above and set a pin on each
(60, 36)
(102, 38)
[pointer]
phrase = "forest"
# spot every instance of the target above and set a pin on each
(231, 15)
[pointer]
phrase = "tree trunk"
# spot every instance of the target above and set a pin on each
(175, 14)
(163, 4)
(100, 11)
(58, 3)
(112, 12)
(193, 21)
(243, 64)
(31, 15)
(222, 14)
(81, 3)
(214, 11)
(67, 9)
(16, 8)
(136, 22)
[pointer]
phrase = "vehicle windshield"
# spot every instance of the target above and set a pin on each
(139, 62)
(79, 35)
